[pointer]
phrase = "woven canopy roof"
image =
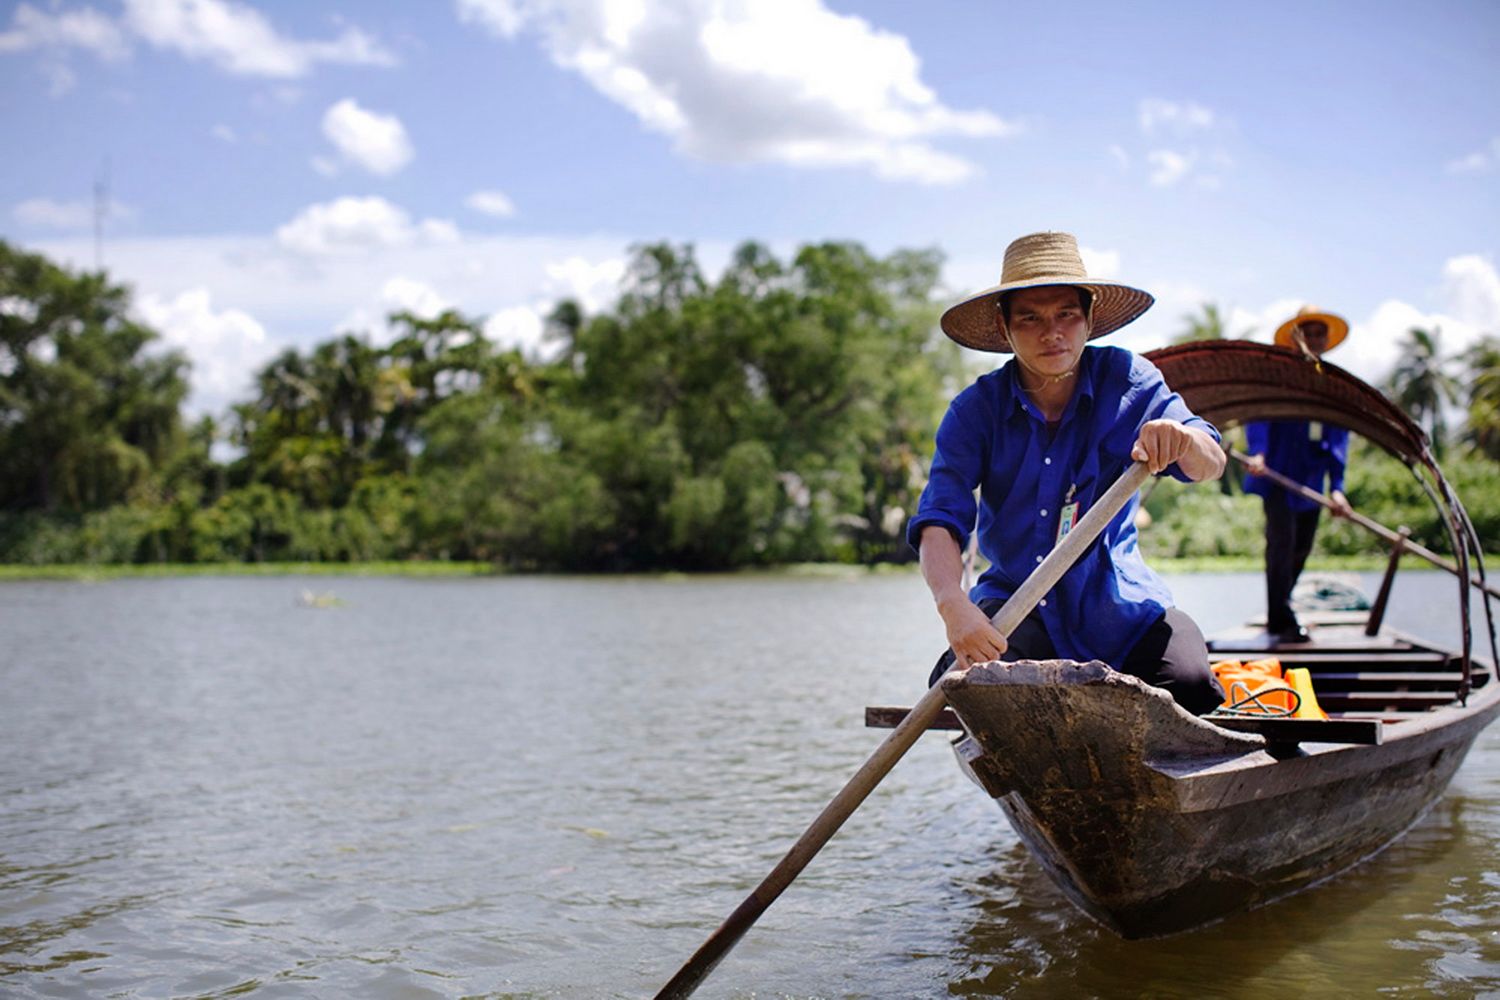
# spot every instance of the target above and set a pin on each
(1231, 381)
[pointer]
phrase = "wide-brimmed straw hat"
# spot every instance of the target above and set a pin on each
(1338, 327)
(1033, 262)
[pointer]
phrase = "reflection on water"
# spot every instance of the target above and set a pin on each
(553, 787)
(1421, 917)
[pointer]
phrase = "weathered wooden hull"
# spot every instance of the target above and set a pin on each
(1153, 821)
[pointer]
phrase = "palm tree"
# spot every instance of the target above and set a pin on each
(1421, 384)
(1483, 363)
(1211, 325)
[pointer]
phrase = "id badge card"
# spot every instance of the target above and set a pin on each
(1315, 430)
(1066, 519)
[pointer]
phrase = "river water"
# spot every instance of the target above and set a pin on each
(557, 787)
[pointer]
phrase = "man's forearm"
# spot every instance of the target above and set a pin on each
(1204, 459)
(942, 564)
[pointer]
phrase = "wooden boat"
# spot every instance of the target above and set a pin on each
(1153, 821)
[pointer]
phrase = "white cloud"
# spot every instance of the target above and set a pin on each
(1194, 154)
(374, 141)
(352, 225)
(232, 36)
(1169, 166)
(1156, 115)
(301, 301)
(1481, 161)
(402, 294)
(502, 17)
(1466, 308)
(519, 327)
(224, 134)
(44, 213)
(85, 29)
(238, 39)
(1471, 291)
(225, 347)
(491, 203)
(1100, 263)
(788, 82)
(593, 284)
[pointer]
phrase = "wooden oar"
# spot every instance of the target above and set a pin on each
(1375, 527)
(1041, 580)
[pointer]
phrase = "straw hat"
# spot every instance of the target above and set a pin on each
(1033, 262)
(1338, 327)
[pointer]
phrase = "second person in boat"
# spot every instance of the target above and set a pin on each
(1041, 438)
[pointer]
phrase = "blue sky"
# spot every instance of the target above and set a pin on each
(280, 172)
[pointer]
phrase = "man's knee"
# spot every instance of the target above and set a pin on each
(1183, 664)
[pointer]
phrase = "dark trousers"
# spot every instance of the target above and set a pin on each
(1289, 538)
(1172, 655)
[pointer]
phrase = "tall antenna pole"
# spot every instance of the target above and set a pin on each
(101, 212)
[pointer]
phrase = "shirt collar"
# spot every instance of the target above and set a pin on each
(1083, 391)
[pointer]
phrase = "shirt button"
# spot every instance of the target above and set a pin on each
(1046, 461)
(1038, 558)
(1044, 602)
(1044, 511)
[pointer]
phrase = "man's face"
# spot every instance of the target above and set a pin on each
(1314, 335)
(1048, 328)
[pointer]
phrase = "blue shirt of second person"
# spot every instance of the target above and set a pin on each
(1300, 450)
(1028, 472)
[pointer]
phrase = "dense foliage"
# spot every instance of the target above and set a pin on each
(783, 412)
(780, 413)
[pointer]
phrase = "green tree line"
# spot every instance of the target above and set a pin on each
(783, 412)
(778, 414)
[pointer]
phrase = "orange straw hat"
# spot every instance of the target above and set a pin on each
(1033, 262)
(1338, 327)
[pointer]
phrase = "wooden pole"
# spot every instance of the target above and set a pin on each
(1375, 527)
(854, 792)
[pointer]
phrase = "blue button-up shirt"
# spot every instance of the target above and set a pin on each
(994, 438)
(1303, 451)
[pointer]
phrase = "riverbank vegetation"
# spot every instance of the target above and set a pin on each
(781, 414)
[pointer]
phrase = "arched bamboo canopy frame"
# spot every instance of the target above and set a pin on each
(1229, 382)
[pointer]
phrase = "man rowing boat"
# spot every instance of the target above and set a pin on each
(1041, 438)
(1303, 450)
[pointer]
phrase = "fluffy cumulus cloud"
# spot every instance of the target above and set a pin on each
(59, 30)
(354, 225)
(400, 294)
(1168, 166)
(1100, 263)
(593, 284)
(491, 203)
(234, 37)
(1478, 162)
(408, 295)
(519, 327)
(374, 141)
(1465, 308)
(57, 33)
(225, 346)
(238, 39)
(788, 82)
(1184, 144)
(1471, 291)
